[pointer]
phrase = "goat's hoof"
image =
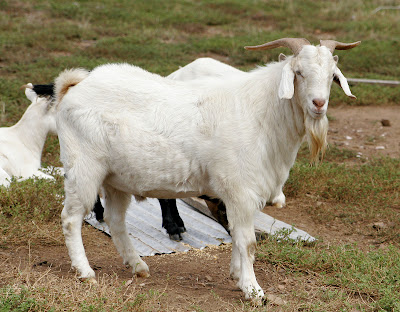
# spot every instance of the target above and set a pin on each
(181, 229)
(234, 276)
(259, 302)
(278, 205)
(175, 237)
(143, 274)
(89, 280)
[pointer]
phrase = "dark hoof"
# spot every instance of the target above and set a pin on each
(175, 237)
(181, 229)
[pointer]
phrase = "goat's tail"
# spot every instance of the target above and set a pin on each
(67, 79)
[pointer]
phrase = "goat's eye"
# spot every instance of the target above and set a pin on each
(298, 73)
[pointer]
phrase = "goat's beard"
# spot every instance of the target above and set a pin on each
(316, 135)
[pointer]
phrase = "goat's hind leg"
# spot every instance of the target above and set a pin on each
(78, 202)
(117, 203)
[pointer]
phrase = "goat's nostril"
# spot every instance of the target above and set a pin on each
(319, 102)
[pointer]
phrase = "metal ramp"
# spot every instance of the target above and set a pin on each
(143, 221)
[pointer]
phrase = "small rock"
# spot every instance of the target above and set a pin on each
(385, 122)
(349, 137)
(319, 203)
(281, 287)
(275, 299)
(128, 282)
(379, 225)
(208, 278)
(380, 147)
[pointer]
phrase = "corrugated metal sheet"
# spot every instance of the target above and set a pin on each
(143, 221)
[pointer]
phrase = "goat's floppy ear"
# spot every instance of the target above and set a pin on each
(286, 86)
(342, 82)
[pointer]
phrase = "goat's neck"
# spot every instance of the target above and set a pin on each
(281, 119)
(32, 130)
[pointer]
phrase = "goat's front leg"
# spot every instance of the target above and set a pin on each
(243, 249)
(114, 215)
(171, 220)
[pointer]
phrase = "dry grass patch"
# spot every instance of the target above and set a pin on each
(32, 290)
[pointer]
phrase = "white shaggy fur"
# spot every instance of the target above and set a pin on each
(234, 137)
(21, 145)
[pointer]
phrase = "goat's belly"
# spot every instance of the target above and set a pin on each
(157, 186)
(165, 194)
(163, 177)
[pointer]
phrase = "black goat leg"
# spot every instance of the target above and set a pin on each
(172, 222)
(218, 210)
(98, 210)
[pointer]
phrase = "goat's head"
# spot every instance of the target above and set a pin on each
(42, 108)
(307, 76)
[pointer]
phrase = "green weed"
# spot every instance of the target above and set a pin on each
(13, 300)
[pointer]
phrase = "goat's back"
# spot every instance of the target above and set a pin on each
(150, 132)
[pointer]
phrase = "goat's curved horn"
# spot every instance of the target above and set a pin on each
(332, 45)
(294, 44)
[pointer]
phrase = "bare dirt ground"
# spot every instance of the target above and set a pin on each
(200, 279)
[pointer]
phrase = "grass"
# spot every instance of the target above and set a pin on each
(40, 38)
(344, 277)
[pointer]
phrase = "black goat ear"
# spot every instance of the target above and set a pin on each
(282, 57)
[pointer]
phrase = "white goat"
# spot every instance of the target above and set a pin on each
(234, 138)
(21, 145)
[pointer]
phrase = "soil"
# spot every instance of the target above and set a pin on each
(199, 279)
